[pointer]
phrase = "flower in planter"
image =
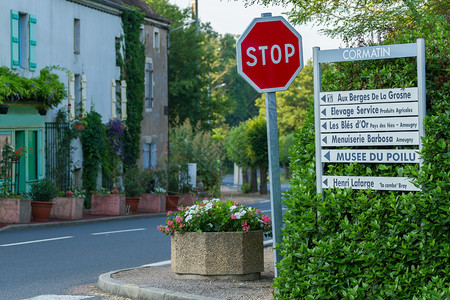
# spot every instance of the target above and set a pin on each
(114, 191)
(160, 190)
(215, 216)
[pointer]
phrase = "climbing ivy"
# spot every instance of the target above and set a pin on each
(133, 73)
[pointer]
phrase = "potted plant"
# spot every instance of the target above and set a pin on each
(132, 183)
(68, 205)
(41, 194)
(154, 198)
(106, 202)
(228, 236)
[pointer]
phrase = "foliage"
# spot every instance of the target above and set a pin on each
(114, 153)
(292, 103)
(191, 144)
(59, 172)
(236, 145)
(133, 72)
(358, 20)
(215, 216)
(363, 244)
(45, 90)
(133, 182)
(93, 146)
(44, 190)
(258, 150)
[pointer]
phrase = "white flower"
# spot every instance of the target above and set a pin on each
(210, 225)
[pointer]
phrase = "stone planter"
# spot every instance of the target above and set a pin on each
(13, 211)
(68, 208)
(112, 205)
(133, 203)
(218, 255)
(152, 203)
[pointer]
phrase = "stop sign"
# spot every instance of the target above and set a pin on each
(269, 54)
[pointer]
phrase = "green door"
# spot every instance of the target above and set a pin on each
(20, 178)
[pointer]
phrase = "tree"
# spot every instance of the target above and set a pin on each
(356, 20)
(258, 151)
(292, 103)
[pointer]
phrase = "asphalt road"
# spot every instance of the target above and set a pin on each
(52, 260)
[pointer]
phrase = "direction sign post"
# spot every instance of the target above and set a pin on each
(269, 57)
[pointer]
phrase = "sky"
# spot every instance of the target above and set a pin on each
(229, 16)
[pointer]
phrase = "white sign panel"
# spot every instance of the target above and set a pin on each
(366, 182)
(370, 139)
(371, 156)
(370, 124)
(370, 110)
(369, 96)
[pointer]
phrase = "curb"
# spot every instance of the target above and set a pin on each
(116, 287)
(16, 227)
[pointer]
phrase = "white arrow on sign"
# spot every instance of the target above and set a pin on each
(369, 96)
(366, 182)
(370, 139)
(370, 110)
(371, 156)
(370, 124)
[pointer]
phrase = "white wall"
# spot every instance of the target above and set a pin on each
(54, 35)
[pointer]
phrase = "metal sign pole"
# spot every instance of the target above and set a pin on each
(274, 174)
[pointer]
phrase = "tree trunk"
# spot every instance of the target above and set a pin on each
(263, 179)
(286, 171)
(244, 176)
(253, 180)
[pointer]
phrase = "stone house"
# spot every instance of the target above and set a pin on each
(79, 36)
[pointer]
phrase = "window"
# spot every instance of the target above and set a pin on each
(149, 157)
(77, 91)
(148, 84)
(76, 36)
(23, 40)
(156, 39)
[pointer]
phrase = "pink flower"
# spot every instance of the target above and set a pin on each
(181, 225)
(115, 191)
(168, 229)
(233, 217)
(179, 219)
(169, 213)
(258, 211)
(235, 203)
(169, 223)
(160, 228)
(245, 227)
(69, 193)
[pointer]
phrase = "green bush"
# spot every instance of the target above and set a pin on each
(44, 190)
(359, 244)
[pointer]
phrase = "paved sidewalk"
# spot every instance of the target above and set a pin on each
(158, 282)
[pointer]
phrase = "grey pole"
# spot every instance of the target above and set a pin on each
(274, 175)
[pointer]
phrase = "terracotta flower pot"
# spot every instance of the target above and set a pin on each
(40, 210)
(133, 202)
(172, 202)
(112, 204)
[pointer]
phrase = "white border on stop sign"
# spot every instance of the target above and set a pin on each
(239, 53)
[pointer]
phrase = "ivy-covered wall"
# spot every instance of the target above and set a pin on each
(133, 72)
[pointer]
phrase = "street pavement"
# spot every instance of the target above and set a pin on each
(105, 281)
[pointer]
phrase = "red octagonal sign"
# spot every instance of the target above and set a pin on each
(269, 54)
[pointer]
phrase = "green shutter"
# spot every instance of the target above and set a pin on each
(32, 57)
(15, 42)
(32, 155)
(39, 154)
